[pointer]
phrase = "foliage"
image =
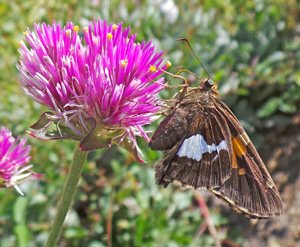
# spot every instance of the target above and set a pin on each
(250, 48)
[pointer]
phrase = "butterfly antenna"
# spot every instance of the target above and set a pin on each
(188, 44)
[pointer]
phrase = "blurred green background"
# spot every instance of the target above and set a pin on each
(251, 48)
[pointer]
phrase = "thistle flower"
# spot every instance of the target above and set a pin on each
(99, 93)
(13, 161)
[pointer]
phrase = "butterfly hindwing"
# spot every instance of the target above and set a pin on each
(202, 157)
(250, 189)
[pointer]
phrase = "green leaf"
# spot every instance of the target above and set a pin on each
(269, 108)
(96, 244)
(287, 108)
(78, 232)
(242, 91)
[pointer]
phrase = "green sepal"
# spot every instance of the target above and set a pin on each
(99, 137)
(128, 145)
(50, 127)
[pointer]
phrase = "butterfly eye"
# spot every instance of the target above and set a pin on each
(208, 84)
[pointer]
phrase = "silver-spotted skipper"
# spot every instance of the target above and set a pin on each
(207, 148)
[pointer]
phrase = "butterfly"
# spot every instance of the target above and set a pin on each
(207, 148)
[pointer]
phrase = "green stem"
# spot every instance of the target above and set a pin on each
(67, 195)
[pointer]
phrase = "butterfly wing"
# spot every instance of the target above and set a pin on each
(170, 131)
(208, 148)
(200, 144)
(250, 189)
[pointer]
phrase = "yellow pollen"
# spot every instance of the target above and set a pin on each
(152, 68)
(75, 28)
(26, 33)
(95, 40)
(134, 82)
(169, 64)
(85, 29)
(109, 36)
(115, 27)
(124, 62)
(138, 43)
(127, 40)
(68, 32)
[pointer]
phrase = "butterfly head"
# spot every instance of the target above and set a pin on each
(207, 84)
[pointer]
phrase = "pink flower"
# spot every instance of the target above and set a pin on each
(13, 161)
(99, 93)
(44, 68)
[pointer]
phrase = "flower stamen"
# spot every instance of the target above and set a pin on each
(68, 32)
(153, 68)
(109, 36)
(124, 63)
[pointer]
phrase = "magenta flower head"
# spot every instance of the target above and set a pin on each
(100, 93)
(13, 161)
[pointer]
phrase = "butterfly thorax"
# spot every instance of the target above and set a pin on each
(201, 96)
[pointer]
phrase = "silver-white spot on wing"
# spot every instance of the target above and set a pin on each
(195, 146)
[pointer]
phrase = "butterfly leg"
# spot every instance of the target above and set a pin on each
(173, 76)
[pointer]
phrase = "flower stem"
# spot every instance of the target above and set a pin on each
(67, 195)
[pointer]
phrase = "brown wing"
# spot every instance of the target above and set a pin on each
(250, 189)
(201, 156)
(171, 130)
